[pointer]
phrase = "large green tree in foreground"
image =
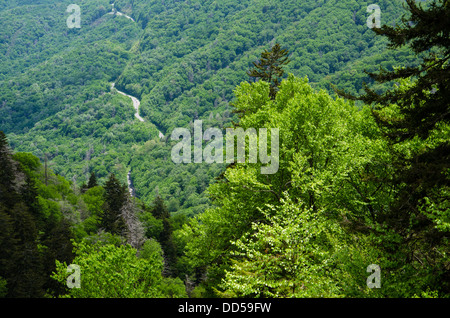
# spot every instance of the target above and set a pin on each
(115, 198)
(290, 233)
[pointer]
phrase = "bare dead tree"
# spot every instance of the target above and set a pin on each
(134, 230)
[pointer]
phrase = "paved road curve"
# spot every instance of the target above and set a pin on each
(136, 104)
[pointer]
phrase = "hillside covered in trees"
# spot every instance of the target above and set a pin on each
(182, 60)
(363, 159)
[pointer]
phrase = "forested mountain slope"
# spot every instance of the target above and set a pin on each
(361, 183)
(46, 222)
(193, 54)
(182, 59)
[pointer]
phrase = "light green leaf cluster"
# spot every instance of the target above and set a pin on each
(279, 235)
(289, 256)
(115, 271)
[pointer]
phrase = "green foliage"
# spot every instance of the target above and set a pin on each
(159, 209)
(331, 158)
(153, 227)
(214, 44)
(270, 67)
(309, 230)
(33, 231)
(114, 198)
(3, 287)
(29, 162)
(181, 59)
(36, 233)
(151, 250)
(336, 165)
(109, 271)
(289, 255)
(414, 116)
(92, 181)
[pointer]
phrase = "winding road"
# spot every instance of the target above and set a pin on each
(114, 11)
(136, 104)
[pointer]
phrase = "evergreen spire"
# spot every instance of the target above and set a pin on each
(7, 173)
(426, 103)
(421, 175)
(92, 181)
(115, 198)
(270, 67)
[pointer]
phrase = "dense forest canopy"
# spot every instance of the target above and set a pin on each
(182, 60)
(363, 176)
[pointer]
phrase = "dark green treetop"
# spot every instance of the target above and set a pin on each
(92, 181)
(426, 103)
(414, 115)
(115, 197)
(270, 67)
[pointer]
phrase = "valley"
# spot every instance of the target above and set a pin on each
(173, 75)
(136, 104)
(354, 117)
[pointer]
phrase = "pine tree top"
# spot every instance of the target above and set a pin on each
(92, 181)
(426, 103)
(270, 67)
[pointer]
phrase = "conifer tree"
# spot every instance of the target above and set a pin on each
(20, 261)
(424, 106)
(8, 194)
(8, 245)
(29, 195)
(115, 197)
(423, 112)
(26, 278)
(92, 181)
(426, 103)
(160, 211)
(270, 67)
